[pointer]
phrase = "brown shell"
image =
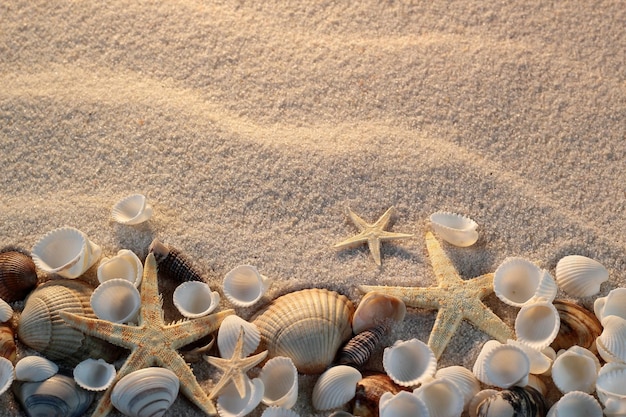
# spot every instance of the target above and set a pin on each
(359, 349)
(8, 349)
(368, 393)
(18, 276)
(173, 264)
(579, 326)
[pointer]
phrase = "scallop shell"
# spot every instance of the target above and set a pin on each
(614, 304)
(124, 265)
(307, 326)
(611, 389)
(409, 363)
(517, 282)
(611, 343)
(359, 349)
(94, 374)
(8, 349)
(537, 324)
(6, 312)
(375, 309)
(580, 276)
(230, 404)
(279, 412)
(6, 374)
(576, 404)
(194, 299)
(35, 369)
(280, 378)
(173, 264)
(442, 398)
(18, 276)
(369, 390)
(464, 380)
(148, 391)
(454, 228)
(575, 369)
(116, 300)
(402, 404)
(513, 402)
(228, 334)
(132, 210)
(56, 396)
(501, 365)
(578, 326)
(244, 285)
(335, 387)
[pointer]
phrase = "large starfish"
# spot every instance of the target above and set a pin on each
(372, 234)
(455, 298)
(152, 342)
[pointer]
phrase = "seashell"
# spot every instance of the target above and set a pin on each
(195, 351)
(173, 264)
(339, 414)
(6, 374)
(517, 282)
(611, 389)
(228, 334)
(467, 384)
(285, 412)
(56, 396)
(18, 275)
(575, 369)
(35, 369)
(611, 343)
(94, 374)
(535, 382)
(368, 392)
(578, 326)
(580, 276)
(614, 304)
(132, 210)
(8, 349)
(537, 324)
(442, 398)
(65, 251)
(478, 399)
(335, 387)
(454, 228)
(502, 365)
(307, 326)
(125, 265)
(359, 349)
(6, 312)
(375, 309)
(513, 402)
(409, 363)
(230, 404)
(148, 391)
(41, 327)
(244, 286)
(116, 300)
(402, 404)
(194, 299)
(280, 378)
(576, 404)
(539, 362)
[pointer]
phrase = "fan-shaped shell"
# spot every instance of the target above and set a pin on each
(18, 275)
(56, 396)
(6, 374)
(35, 369)
(94, 374)
(8, 349)
(307, 326)
(611, 343)
(514, 402)
(335, 387)
(576, 404)
(537, 324)
(442, 398)
(409, 363)
(6, 311)
(280, 378)
(579, 326)
(375, 309)
(228, 334)
(575, 369)
(464, 380)
(402, 404)
(125, 265)
(454, 228)
(148, 391)
(194, 299)
(580, 276)
(517, 282)
(230, 404)
(131, 210)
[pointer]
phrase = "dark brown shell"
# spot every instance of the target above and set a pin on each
(579, 326)
(359, 349)
(18, 276)
(8, 349)
(368, 392)
(173, 264)
(523, 402)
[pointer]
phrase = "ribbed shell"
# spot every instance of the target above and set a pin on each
(18, 276)
(359, 349)
(173, 264)
(35, 369)
(335, 387)
(307, 326)
(580, 276)
(7, 343)
(146, 392)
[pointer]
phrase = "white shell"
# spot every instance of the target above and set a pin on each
(403, 404)
(611, 388)
(537, 324)
(148, 390)
(228, 334)
(244, 285)
(479, 398)
(116, 300)
(611, 343)
(230, 404)
(540, 363)
(195, 299)
(94, 374)
(502, 365)
(518, 282)
(614, 304)
(279, 412)
(133, 209)
(280, 377)
(464, 380)
(442, 398)
(580, 276)
(6, 311)
(377, 308)
(335, 387)
(65, 251)
(6, 374)
(576, 404)
(454, 228)
(575, 369)
(35, 369)
(124, 265)
(408, 363)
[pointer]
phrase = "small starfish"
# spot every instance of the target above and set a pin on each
(235, 368)
(455, 298)
(152, 342)
(373, 234)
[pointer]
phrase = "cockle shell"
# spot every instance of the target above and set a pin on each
(131, 210)
(335, 387)
(517, 282)
(402, 404)
(279, 412)
(537, 324)
(575, 369)
(280, 378)
(307, 326)
(146, 392)
(409, 363)
(8, 349)
(442, 398)
(6, 374)
(611, 343)
(463, 378)
(173, 264)
(230, 404)
(580, 276)
(94, 374)
(611, 388)
(578, 326)
(194, 299)
(513, 402)
(368, 392)
(359, 349)
(501, 365)
(540, 360)
(18, 275)
(454, 228)
(375, 309)
(244, 285)
(576, 404)
(6, 311)
(124, 265)
(35, 369)
(614, 304)
(228, 334)
(116, 300)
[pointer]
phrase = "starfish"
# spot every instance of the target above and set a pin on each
(152, 342)
(455, 298)
(372, 234)
(235, 368)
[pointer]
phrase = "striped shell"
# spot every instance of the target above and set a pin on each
(513, 402)
(18, 276)
(580, 276)
(56, 396)
(335, 387)
(35, 369)
(307, 326)
(359, 349)
(146, 392)
(173, 264)
(8, 349)
(579, 326)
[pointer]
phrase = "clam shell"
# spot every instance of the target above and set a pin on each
(454, 228)
(116, 300)
(194, 299)
(467, 384)
(18, 275)
(614, 304)
(578, 326)
(173, 264)
(369, 391)
(580, 276)
(611, 343)
(6, 312)
(576, 404)
(131, 210)
(280, 378)
(244, 285)
(513, 402)
(359, 349)
(442, 398)
(402, 404)
(539, 362)
(335, 387)
(8, 349)
(611, 388)
(375, 309)
(148, 391)
(230, 404)
(537, 324)
(502, 365)
(6, 374)
(307, 326)
(56, 396)
(517, 282)
(94, 374)
(35, 369)
(228, 334)
(409, 363)
(575, 369)
(279, 412)
(125, 265)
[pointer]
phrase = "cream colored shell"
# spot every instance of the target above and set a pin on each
(580, 276)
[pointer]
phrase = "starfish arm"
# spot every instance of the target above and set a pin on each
(484, 283)
(445, 272)
(188, 331)
(487, 321)
(230, 374)
(115, 333)
(351, 241)
(382, 222)
(393, 236)
(420, 297)
(151, 303)
(374, 246)
(358, 222)
(446, 324)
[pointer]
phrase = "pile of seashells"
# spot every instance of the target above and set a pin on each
(311, 331)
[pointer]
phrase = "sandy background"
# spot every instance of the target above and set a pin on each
(252, 126)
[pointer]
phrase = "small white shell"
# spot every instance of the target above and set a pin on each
(454, 228)
(403, 404)
(279, 412)
(35, 369)
(408, 363)
(148, 391)
(230, 404)
(194, 299)
(335, 387)
(614, 304)
(611, 388)
(124, 265)
(228, 334)
(94, 374)
(244, 285)
(133, 209)
(479, 398)
(611, 343)
(6, 311)
(116, 300)
(576, 404)
(575, 369)
(502, 365)
(518, 282)
(442, 398)
(540, 363)
(537, 324)
(464, 380)
(6, 374)
(280, 377)
(580, 276)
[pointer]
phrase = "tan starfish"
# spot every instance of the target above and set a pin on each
(455, 298)
(235, 368)
(372, 234)
(152, 342)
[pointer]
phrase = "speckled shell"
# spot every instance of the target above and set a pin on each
(173, 264)
(514, 402)
(18, 276)
(307, 326)
(359, 349)
(56, 396)
(579, 326)
(580, 276)
(368, 392)
(7, 343)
